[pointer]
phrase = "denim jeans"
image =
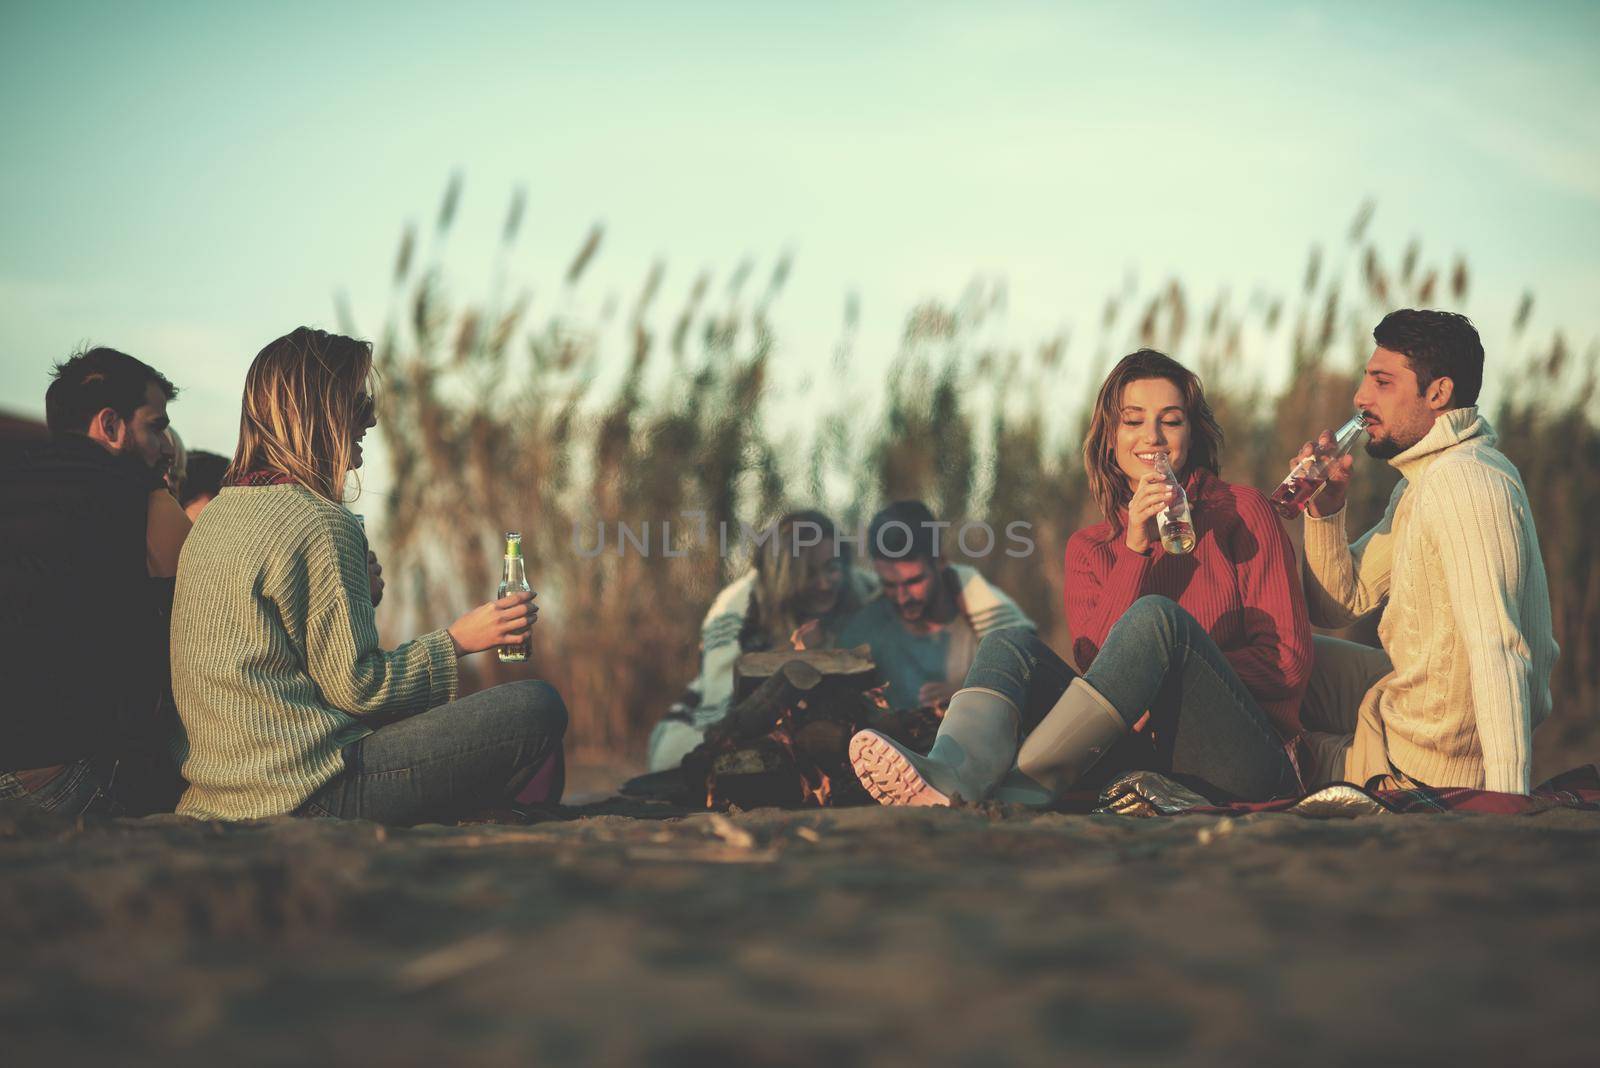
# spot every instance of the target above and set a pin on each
(1205, 726)
(1336, 715)
(471, 754)
(79, 789)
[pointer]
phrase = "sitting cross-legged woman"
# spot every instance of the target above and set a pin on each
(1192, 664)
(289, 703)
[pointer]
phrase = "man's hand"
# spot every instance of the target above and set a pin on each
(374, 577)
(936, 694)
(1152, 497)
(1334, 491)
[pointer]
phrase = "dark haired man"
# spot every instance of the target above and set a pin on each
(91, 532)
(1454, 564)
(925, 626)
(201, 482)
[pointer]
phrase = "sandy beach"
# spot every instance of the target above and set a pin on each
(621, 932)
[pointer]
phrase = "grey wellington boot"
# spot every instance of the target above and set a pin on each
(977, 742)
(1069, 741)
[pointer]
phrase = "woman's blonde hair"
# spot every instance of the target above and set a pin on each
(1108, 482)
(784, 570)
(302, 396)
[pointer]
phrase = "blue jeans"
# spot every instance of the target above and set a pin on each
(1204, 724)
(471, 754)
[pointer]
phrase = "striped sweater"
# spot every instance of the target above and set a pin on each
(986, 606)
(1239, 583)
(1467, 623)
(275, 656)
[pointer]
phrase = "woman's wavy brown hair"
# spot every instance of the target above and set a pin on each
(1108, 483)
(303, 394)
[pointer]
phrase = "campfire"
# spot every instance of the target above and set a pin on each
(786, 740)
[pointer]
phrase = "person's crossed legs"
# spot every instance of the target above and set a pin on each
(473, 753)
(1340, 678)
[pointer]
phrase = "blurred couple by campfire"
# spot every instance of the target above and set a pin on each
(921, 617)
(1199, 664)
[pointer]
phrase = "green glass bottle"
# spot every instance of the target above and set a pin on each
(513, 579)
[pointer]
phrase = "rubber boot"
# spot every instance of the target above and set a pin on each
(1069, 741)
(977, 742)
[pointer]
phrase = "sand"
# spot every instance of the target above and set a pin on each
(621, 933)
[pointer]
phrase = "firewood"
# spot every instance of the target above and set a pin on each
(843, 669)
(782, 690)
(785, 741)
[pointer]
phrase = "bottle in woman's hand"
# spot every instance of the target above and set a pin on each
(513, 579)
(1174, 522)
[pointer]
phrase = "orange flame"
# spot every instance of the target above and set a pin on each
(820, 793)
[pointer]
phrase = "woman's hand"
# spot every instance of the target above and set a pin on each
(1150, 499)
(497, 623)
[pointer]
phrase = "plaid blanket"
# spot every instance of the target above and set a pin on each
(1145, 793)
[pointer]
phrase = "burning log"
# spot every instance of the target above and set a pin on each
(761, 711)
(786, 740)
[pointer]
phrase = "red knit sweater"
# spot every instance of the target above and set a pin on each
(1239, 582)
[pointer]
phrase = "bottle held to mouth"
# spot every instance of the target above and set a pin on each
(513, 579)
(1310, 473)
(1174, 522)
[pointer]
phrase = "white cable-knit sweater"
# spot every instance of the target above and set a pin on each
(1467, 623)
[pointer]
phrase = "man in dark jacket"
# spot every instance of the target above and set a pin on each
(87, 722)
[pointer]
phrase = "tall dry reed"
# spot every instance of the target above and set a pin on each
(493, 419)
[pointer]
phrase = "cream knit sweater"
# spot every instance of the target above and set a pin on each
(1467, 623)
(275, 657)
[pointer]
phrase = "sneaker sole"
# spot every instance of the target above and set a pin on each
(888, 776)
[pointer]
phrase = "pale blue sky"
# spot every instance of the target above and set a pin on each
(189, 180)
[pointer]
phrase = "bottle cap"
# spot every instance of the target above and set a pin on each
(513, 543)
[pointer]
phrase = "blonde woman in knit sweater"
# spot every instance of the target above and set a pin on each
(289, 703)
(1454, 565)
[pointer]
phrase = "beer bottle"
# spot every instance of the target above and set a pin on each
(514, 579)
(1174, 521)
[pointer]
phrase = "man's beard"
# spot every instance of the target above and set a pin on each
(1395, 443)
(1387, 449)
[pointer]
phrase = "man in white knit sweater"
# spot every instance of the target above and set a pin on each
(1454, 564)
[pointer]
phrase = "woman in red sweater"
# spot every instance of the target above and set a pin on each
(1203, 656)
